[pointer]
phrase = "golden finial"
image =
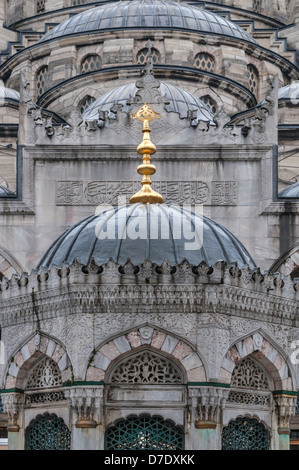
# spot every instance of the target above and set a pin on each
(146, 148)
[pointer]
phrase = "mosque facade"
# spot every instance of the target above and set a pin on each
(158, 308)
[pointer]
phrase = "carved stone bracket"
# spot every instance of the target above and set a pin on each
(12, 405)
(86, 402)
(207, 404)
(285, 409)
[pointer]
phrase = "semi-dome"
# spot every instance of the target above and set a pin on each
(148, 14)
(290, 191)
(180, 101)
(138, 232)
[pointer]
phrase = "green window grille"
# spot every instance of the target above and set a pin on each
(91, 63)
(252, 74)
(204, 61)
(143, 53)
(41, 80)
(48, 432)
(245, 434)
(144, 432)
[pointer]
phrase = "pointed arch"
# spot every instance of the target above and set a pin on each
(157, 340)
(269, 355)
(30, 353)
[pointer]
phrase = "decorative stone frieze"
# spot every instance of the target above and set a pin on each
(86, 403)
(207, 403)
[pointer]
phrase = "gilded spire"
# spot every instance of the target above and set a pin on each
(146, 194)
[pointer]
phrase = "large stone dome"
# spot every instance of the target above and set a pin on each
(138, 232)
(180, 102)
(148, 14)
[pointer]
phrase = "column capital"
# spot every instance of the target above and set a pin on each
(13, 403)
(86, 402)
(206, 405)
(285, 409)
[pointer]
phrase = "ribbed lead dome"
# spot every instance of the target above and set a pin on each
(139, 232)
(180, 101)
(143, 14)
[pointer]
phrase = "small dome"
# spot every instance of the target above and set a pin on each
(138, 232)
(290, 191)
(148, 14)
(180, 101)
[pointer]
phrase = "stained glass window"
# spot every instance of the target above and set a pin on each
(40, 6)
(257, 5)
(41, 80)
(204, 61)
(85, 103)
(90, 63)
(209, 102)
(252, 74)
(143, 53)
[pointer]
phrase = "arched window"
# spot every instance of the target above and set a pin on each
(204, 61)
(143, 53)
(85, 103)
(90, 63)
(245, 433)
(211, 104)
(146, 367)
(41, 80)
(257, 6)
(144, 432)
(48, 432)
(40, 6)
(249, 384)
(45, 374)
(253, 76)
(44, 383)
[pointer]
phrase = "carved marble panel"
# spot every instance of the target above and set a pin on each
(75, 193)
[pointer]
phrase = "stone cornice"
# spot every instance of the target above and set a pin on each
(222, 289)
